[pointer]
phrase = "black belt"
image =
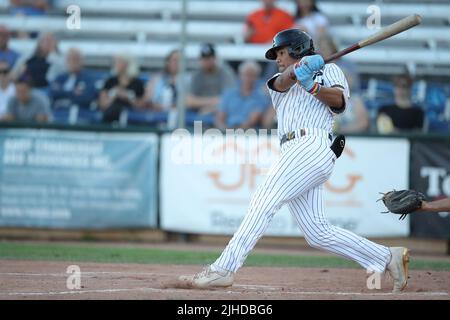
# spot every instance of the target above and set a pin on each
(291, 135)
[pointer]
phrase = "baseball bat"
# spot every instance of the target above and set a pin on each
(387, 32)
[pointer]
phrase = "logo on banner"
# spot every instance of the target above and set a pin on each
(248, 172)
(438, 184)
(351, 181)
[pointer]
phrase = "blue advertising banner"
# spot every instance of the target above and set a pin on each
(71, 179)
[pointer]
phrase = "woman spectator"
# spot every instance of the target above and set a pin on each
(7, 90)
(161, 91)
(124, 90)
(45, 64)
(356, 117)
(310, 19)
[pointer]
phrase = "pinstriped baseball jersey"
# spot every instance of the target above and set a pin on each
(296, 179)
(296, 108)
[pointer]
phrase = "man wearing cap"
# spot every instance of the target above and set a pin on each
(27, 105)
(209, 82)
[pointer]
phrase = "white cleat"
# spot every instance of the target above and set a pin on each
(398, 268)
(209, 279)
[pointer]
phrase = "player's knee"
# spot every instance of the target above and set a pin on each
(320, 238)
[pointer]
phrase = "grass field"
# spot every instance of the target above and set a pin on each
(109, 254)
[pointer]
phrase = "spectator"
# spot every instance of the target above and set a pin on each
(356, 117)
(27, 105)
(208, 83)
(310, 19)
(45, 64)
(269, 119)
(242, 106)
(29, 7)
(122, 91)
(402, 115)
(6, 87)
(75, 87)
(263, 24)
(7, 54)
(24, 8)
(326, 46)
(161, 90)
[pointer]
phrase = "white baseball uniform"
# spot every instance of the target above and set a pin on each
(297, 179)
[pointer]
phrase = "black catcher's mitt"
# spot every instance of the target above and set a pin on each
(402, 202)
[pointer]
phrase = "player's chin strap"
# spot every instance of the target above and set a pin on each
(338, 145)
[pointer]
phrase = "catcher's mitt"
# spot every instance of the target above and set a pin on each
(402, 202)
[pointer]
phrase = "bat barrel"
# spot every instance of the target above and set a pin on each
(387, 32)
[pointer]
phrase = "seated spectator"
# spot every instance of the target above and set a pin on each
(263, 24)
(122, 91)
(309, 19)
(45, 64)
(75, 87)
(208, 83)
(242, 106)
(27, 105)
(161, 90)
(6, 54)
(29, 7)
(6, 87)
(269, 119)
(355, 119)
(326, 46)
(402, 115)
(35, 8)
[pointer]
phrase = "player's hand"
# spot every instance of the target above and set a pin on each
(304, 75)
(314, 62)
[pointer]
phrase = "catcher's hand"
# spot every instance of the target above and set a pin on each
(402, 202)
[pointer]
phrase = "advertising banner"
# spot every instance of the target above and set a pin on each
(207, 183)
(68, 179)
(430, 174)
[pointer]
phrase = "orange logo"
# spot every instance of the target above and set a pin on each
(352, 180)
(248, 172)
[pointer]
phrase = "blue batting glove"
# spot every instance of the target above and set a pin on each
(314, 63)
(304, 75)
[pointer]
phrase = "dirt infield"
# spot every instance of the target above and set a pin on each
(47, 280)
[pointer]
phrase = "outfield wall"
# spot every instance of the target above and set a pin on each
(78, 179)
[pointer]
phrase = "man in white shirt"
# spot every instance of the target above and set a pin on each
(6, 86)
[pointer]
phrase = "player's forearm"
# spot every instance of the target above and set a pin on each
(436, 206)
(285, 80)
(332, 97)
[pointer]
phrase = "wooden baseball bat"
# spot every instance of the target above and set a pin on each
(387, 32)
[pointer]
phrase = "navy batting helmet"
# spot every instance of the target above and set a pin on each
(299, 44)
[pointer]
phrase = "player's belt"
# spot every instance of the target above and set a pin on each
(303, 132)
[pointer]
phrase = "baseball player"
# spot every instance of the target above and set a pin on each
(306, 94)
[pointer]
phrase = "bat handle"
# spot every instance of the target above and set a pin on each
(339, 54)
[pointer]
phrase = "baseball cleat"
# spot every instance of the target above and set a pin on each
(398, 267)
(209, 278)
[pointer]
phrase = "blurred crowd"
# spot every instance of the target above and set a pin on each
(49, 86)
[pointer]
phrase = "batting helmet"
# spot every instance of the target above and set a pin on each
(299, 44)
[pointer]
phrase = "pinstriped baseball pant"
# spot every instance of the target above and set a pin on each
(296, 180)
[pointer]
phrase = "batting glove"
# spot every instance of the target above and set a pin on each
(304, 71)
(304, 75)
(314, 63)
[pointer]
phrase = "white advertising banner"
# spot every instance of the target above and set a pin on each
(207, 183)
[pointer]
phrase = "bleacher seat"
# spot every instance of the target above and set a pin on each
(150, 29)
(147, 118)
